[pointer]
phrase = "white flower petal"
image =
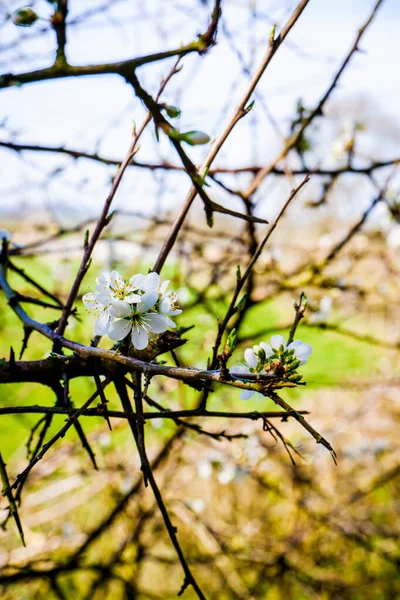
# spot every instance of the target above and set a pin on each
(157, 323)
(163, 286)
(295, 344)
(140, 337)
(165, 306)
(136, 281)
(147, 301)
(104, 297)
(303, 351)
(90, 302)
(151, 281)
(166, 309)
(267, 349)
(119, 329)
(104, 278)
(89, 297)
(133, 298)
(277, 341)
(170, 322)
(102, 324)
(250, 357)
(120, 309)
(246, 394)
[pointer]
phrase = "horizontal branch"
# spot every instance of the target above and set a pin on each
(167, 414)
(264, 384)
(167, 166)
(188, 375)
(123, 68)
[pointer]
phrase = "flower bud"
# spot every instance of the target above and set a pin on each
(261, 354)
(296, 378)
(231, 341)
(195, 138)
(24, 17)
(293, 365)
(172, 111)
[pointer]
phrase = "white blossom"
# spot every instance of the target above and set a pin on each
(322, 315)
(167, 301)
(258, 358)
(343, 145)
(145, 283)
(138, 319)
(301, 351)
(345, 142)
(168, 304)
(251, 355)
(113, 285)
(227, 474)
(110, 288)
(204, 469)
(197, 505)
(139, 307)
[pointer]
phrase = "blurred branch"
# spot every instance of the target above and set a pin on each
(166, 166)
(61, 433)
(333, 327)
(296, 415)
(241, 280)
(241, 110)
(294, 139)
(197, 178)
(104, 217)
(148, 477)
(12, 504)
(58, 21)
(175, 415)
(125, 68)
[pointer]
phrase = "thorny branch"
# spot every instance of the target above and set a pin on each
(116, 365)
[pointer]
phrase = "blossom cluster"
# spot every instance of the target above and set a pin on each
(139, 307)
(276, 359)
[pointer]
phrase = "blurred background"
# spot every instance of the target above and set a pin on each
(260, 513)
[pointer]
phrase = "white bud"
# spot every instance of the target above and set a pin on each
(195, 138)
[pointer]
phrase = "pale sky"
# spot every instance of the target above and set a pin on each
(97, 113)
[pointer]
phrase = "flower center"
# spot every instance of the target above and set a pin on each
(119, 289)
(137, 318)
(172, 299)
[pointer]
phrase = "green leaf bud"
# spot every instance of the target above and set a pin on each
(24, 17)
(232, 340)
(172, 111)
(241, 303)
